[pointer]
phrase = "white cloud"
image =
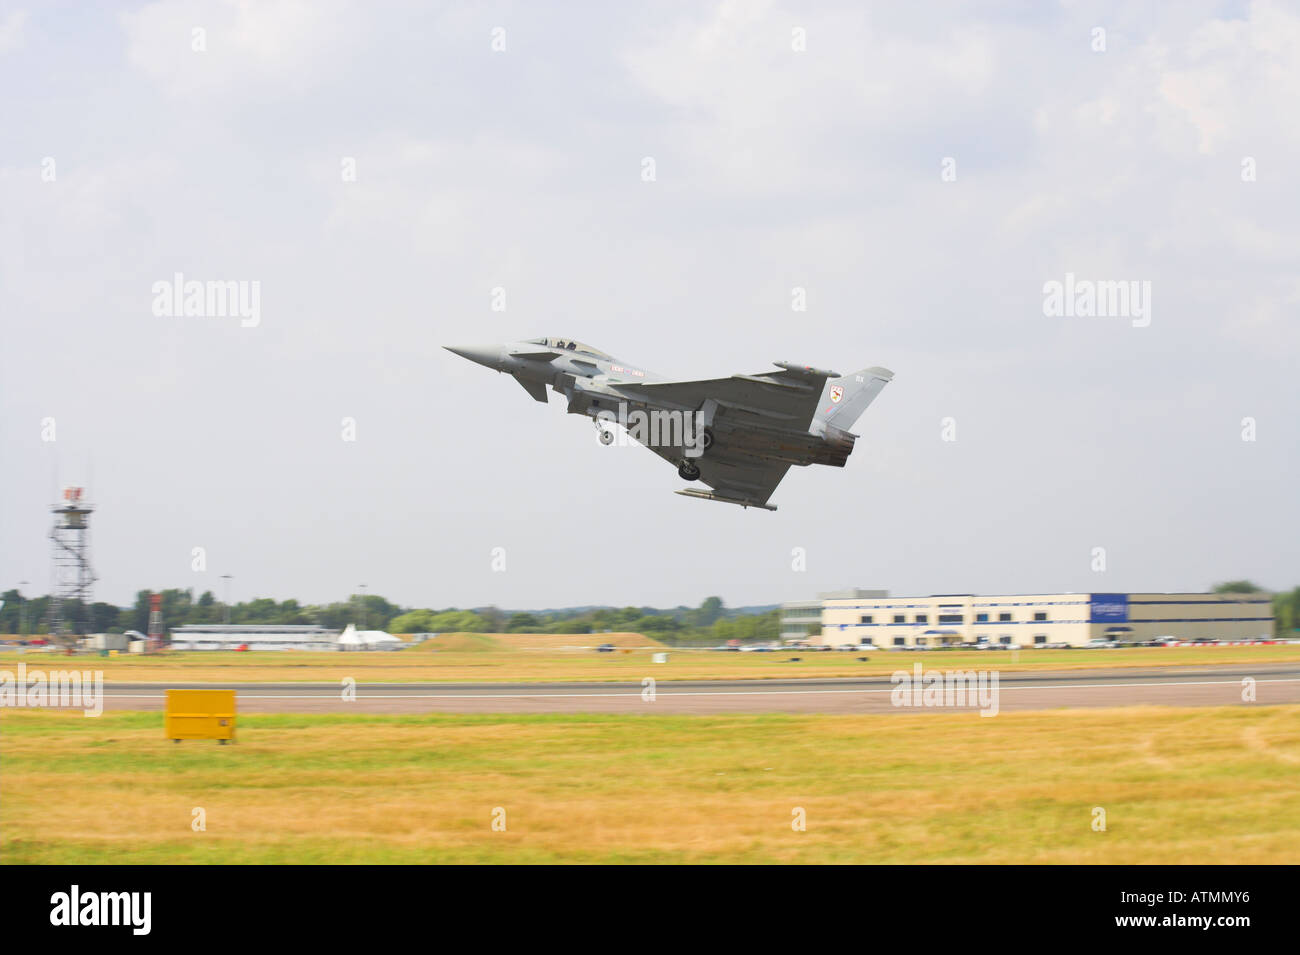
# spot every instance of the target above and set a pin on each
(776, 168)
(750, 112)
(1233, 79)
(269, 47)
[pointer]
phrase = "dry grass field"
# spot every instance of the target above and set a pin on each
(536, 641)
(1214, 785)
(486, 658)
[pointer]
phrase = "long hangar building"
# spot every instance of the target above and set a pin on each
(852, 617)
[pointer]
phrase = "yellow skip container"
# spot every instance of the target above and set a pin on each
(200, 714)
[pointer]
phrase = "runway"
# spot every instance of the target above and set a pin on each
(1015, 690)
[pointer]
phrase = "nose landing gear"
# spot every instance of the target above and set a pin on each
(688, 471)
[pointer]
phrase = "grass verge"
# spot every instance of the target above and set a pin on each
(1206, 785)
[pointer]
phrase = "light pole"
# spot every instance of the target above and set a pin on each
(227, 578)
(363, 606)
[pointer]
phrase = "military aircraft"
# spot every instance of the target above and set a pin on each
(739, 435)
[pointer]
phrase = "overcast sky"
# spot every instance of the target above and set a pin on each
(126, 156)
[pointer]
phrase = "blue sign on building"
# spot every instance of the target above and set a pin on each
(1108, 608)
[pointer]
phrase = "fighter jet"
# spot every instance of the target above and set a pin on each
(738, 435)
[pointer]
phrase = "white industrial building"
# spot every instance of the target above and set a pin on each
(803, 618)
(106, 641)
(1030, 620)
(219, 636)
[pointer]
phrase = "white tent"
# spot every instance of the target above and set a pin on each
(354, 639)
(350, 640)
(379, 640)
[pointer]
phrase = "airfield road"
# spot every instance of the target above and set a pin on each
(1038, 690)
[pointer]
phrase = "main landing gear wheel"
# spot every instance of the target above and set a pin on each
(606, 436)
(706, 439)
(688, 471)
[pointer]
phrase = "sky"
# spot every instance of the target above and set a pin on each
(656, 180)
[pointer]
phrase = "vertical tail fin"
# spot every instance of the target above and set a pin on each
(844, 399)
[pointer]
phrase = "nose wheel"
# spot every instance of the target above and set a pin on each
(688, 471)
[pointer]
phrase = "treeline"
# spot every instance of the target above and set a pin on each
(180, 607)
(710, 622)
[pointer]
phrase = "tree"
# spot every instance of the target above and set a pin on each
(654, 624)
(11, 613)
(1286, 612)
(707, 614)
(456, 621)
(567, 625)
(1238, 587)
(103, 617)
(494, 618)
(38, 615)
(413, 621)
(205, 610)
(137, 617)
(377, 611)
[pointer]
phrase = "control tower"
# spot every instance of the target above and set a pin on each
(70, 595)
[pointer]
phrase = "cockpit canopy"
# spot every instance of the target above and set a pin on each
(568, 344)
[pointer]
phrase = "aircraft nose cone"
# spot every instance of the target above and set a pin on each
(489, 355)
